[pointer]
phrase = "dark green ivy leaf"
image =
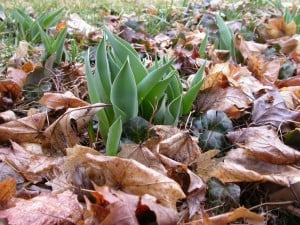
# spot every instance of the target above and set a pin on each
(211, 129)
(135, 130)
(227, 195)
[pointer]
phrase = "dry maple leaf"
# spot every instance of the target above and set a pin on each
(133, 177)
(27, 129)
(241, 166)
(180, 147)
(59, 101)
(65, 131)
(45, 209)
(143, 155)
(34, 167)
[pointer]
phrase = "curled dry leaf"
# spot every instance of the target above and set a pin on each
(180, 147)
(65, 131)
(133, 177)
(34, 167)
(45, 209)
(241, 166)
(264, 143)
(143, 155)
(270, 108)
(191, 184)
(163, 215)
(27, 129)
(8, 190)
(59, 101)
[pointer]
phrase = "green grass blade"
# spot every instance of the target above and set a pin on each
(203, 46)
(58, 45)
(173, 111)
(190, 96)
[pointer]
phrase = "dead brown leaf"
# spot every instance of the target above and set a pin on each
(45, 209)
(241, 166)
(270, 108)
(230, 100)
(8, 190)
(34, 167)
(191, 184)
(59, 101)
(143, 155)
(133, 177)
(163, 215)
(236, 214)
(180, 147)
(264, 143)
(291, 96)
(27, 129)
(65, 131)
(205, 164)
(116, 207)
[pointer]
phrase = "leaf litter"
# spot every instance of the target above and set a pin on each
(54, 170)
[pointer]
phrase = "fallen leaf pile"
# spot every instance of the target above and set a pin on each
(232, 160)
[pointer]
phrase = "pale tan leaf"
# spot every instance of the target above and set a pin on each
(65, 131)
(133, 177)
(240, 166)
(59, 101)
(143, 155)
(45, 209)
(34, 167)
(27, 129)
